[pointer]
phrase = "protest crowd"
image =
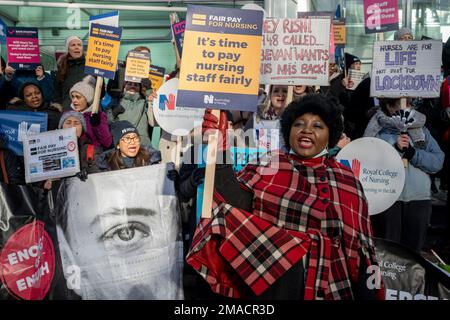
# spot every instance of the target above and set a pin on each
(293, 223)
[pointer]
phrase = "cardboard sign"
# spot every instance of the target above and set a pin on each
(103, 50)
(178, 34)
(176, 120)
(380, 15)
(156, 76)
(222, 71)
(406, 69)
(23, 48)
(339, 32)
(378, 167)
(137, 66)
(296, 51)
(52, 154)
(14, 125)
(354, 78)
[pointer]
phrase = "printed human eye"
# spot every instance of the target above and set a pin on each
(126, 235)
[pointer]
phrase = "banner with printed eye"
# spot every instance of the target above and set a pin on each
(119, 235)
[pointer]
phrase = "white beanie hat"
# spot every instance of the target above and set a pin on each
(86, 87)
(69, 39)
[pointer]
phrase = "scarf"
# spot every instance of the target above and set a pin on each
(381, 121)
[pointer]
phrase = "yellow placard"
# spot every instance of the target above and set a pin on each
(156, 76)
(220, 68)
(340, 33)
(137, 66)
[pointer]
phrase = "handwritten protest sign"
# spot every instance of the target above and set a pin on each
(222, 71)
(379, 168)
(296, 51)
(406, 69)
(23, 48)
(156, 76)
(137, 66)
(52, 154)
(178, 34)
(103, 50)
(380, 15)
(354, 78)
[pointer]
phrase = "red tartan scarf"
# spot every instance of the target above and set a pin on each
(313, 206)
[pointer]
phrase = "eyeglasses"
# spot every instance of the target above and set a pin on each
(128, 140)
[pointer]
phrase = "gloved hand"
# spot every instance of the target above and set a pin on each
(83, 174)
(409, 153)
(210, 122)
(116, 108)
(197, 177)
(94, 119)
(146, 83)
(173, 175)
(403, 119)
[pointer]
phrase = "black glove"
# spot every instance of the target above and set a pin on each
(146, 83)
(117, 109)
(197, 177)
(83, 174)
(409, 153)
(175, 177)
(94, 119)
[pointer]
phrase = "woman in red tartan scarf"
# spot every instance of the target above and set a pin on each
(293, 226)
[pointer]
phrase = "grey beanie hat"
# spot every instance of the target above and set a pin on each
(86, 87)
(401, 32)
(75, 114)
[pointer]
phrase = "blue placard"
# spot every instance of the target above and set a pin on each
(241, 157)
(15, 123)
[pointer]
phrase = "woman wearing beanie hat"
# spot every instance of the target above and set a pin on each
(82, 96)
(70, 71)
(87, 151)
(128, 151)
(31, 99)
(403, 34)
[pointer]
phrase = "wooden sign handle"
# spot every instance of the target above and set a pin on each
(178, 153)
(210, 171)
(290, 95)
(98, 92)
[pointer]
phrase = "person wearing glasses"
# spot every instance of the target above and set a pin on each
(128, 151)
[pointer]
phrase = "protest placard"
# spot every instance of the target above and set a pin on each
(296, 51)
(178, 121)
(23, 48)
(103, 50)
(354, 78)
(137, 66)
(339, 32)
(156, 76)
(378, 167)
(178, 34)
(406, 69)
(50, 155)
(106, 19)
(14, 125)
(222, 71)
(380, 15)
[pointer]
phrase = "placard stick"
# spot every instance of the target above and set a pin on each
(178, 153)
(290, 95)
(98, 91)
(210, 171)
(403, 106)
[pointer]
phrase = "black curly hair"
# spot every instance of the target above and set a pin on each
(326, 107)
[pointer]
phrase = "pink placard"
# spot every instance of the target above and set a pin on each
(23, 48)
(380, 15)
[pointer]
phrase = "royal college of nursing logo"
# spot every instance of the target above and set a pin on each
(208, 98)
(167, 101)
